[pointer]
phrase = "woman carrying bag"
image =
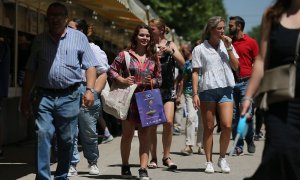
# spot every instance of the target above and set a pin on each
(143, 70)
(281, 27)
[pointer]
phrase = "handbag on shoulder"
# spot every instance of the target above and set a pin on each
(278, 84)
(116, 99)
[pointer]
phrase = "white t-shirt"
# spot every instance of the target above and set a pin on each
(102, 59)
(214, 66)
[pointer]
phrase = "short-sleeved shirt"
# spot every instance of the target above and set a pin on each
(58, 65)
(187, 74)
(247, 49)
(214, 65)
(101, 58)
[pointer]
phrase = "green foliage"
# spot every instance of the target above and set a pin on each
(255, 33)
(188, 17)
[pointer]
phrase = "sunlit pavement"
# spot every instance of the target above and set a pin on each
(19, 162)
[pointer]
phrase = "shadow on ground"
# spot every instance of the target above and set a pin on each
(19, 161)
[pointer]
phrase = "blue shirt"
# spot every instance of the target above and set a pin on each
(58, 65)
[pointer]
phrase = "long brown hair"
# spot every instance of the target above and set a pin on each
(274, 13)
(272, 16)
(151, 47)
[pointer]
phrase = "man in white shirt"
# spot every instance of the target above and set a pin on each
(87, 119)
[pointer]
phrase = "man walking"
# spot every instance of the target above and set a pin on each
(54, 67)
(247, 49)
(88, 116)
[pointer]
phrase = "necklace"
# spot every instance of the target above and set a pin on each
(139, 57)
(143, 59)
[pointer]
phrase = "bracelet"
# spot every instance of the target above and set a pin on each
(195, 94)
(248, 98)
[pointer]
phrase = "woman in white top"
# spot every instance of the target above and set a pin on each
(215, 58)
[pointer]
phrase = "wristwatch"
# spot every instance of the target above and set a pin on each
(229, 49)
(90, 89)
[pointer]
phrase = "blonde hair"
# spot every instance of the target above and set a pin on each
(211, 24)
(160, 23)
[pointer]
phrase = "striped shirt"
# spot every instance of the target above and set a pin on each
(58, 65)
(214, 65)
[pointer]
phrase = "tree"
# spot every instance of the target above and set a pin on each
(255, 33)
(188, 17)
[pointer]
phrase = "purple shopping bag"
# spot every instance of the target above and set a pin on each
(150, 107)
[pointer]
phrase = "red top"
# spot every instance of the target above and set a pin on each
(247, 49)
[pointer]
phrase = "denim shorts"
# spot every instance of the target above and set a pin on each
(219, 95)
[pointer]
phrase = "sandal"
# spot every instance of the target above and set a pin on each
(153, 164)
(171, 165)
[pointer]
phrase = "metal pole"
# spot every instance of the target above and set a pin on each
(16, 49)
(147, 14)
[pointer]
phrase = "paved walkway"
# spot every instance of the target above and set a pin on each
(20, 159)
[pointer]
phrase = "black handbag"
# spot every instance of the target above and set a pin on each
(278, 84)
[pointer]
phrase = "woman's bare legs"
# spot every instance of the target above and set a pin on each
(144, 146)
(225, 112)
(166, 136)
(167, 130)
(208, 113)
(153, 142)
(128, 128)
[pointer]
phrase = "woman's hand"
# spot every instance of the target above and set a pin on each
(196, 101)
(246, 105)
(128, 81)
(165, 49)
(147, 80)
(227, 41)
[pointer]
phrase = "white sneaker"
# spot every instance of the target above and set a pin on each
(107, 139)
(201, 151)
(209, 167)
(222, 163)
(136, 134)
(72, 171)
(93, 169)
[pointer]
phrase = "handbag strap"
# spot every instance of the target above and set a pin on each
(297, 49)
(127, 60)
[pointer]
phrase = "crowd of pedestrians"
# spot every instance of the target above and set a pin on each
(219, 76)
